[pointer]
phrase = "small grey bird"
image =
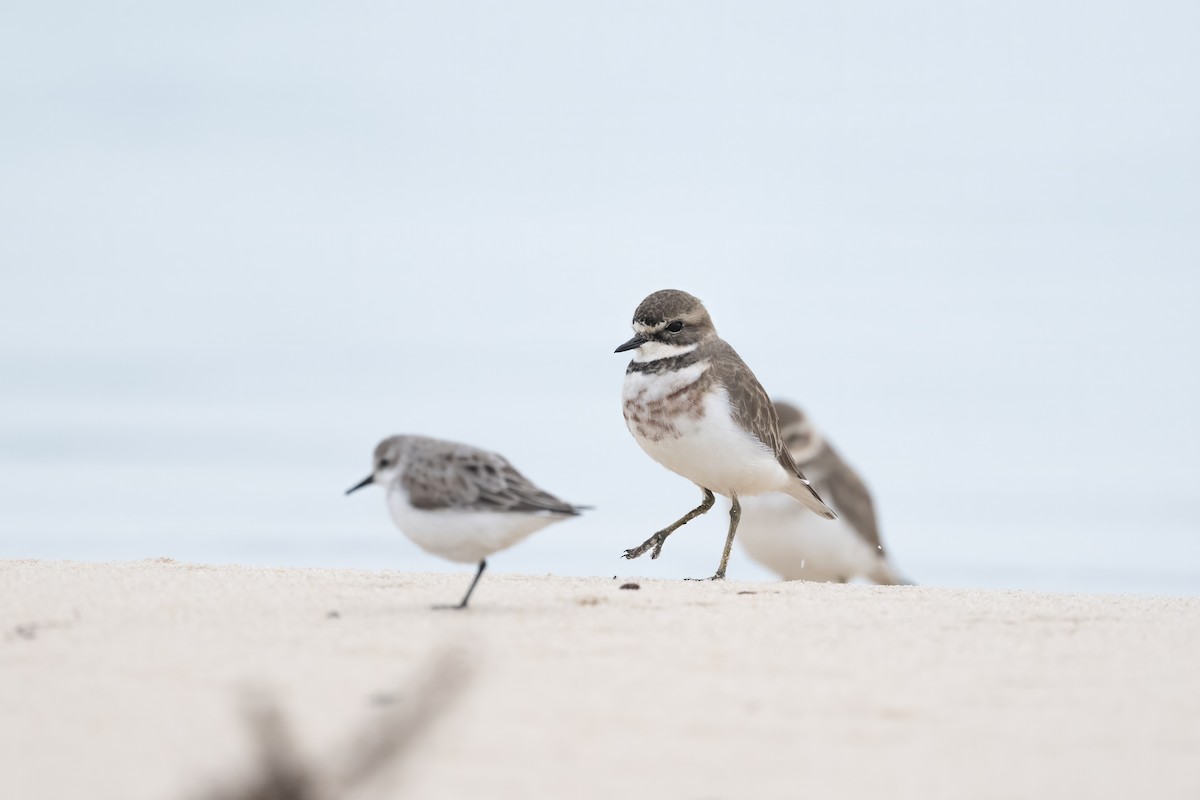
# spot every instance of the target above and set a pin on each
(696, 408)
(459, 502)
(799, 546)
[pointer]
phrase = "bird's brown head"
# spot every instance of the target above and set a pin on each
(667, 323)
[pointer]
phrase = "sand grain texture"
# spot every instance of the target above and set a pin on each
(126, 681)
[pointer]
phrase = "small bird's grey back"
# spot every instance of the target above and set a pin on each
(447, 475)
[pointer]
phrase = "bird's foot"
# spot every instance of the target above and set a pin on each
(455, 607)
(655, 541)
(720, 576)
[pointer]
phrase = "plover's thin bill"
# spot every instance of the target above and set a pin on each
(459, 502)
(696, 408)
(796, 545)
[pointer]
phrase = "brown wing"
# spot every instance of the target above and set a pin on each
(470, 479)
(848, 495)
(753, 409)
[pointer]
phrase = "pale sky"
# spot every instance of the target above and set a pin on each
(241, 244)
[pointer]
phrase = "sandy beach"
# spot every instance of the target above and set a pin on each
(131, 680)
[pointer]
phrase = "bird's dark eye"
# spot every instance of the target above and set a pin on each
(384, 463)
(675, 327)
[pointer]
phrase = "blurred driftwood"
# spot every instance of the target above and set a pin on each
(373, 753)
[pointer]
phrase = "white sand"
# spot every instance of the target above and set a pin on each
(123, 681)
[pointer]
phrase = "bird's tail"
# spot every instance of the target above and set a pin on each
(808, 497)
(886, 575)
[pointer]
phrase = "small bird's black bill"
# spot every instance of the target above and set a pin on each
(636, 341)
(367, 481)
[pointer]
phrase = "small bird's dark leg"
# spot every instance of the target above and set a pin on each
(656, 541)
(463, 604)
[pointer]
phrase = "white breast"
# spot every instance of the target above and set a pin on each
(464, 536)
(698, 439)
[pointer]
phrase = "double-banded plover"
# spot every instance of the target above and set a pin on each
(696, 408)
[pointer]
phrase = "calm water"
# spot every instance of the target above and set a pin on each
(221, 462)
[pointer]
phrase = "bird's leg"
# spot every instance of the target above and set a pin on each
(656, 541)
(467, 596)
(735, 516)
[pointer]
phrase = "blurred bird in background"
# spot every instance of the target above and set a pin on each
(797, 545)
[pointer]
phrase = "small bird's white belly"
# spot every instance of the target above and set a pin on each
(464, 536)
(702, 441)
(784, 537)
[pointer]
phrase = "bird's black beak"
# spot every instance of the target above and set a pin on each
(367, 481)
(637, 341)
